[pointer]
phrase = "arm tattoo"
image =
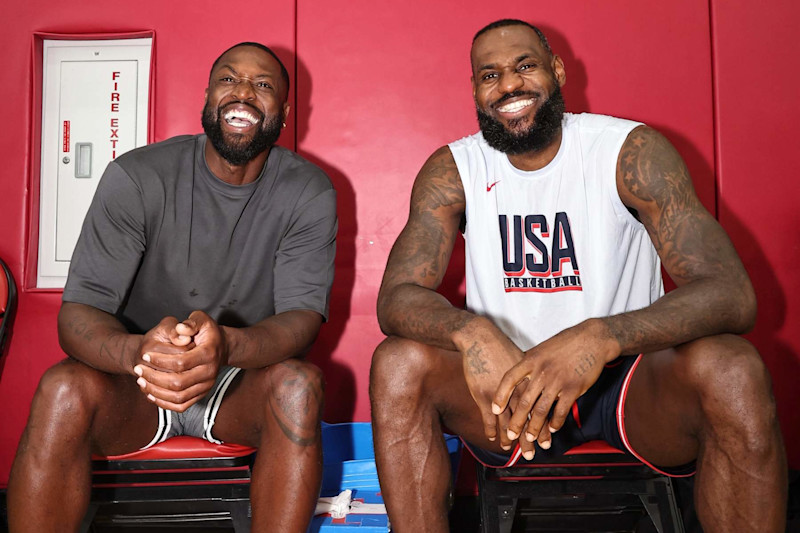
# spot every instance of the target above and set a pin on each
(655, 175)
(420, 256)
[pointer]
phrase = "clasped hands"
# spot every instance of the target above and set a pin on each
(178, 362)
(527, 396)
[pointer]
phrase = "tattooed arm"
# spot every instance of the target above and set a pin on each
(410, 307)
(99, 340)
(714, 294)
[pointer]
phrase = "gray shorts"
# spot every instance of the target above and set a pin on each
(198, 419)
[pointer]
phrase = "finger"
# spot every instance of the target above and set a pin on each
(526, 447)
(522, 413)
(171, 406)
(561, 411)
(505, 389)
(186, 329)
(174, 362)
(175, 381)
(489, 425)
(545, 437)
(541, 411)
(173, 397)
(502, 429)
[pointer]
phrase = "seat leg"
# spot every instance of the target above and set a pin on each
(240, 515)
(506, 509)
(661, 507)
(88, 518)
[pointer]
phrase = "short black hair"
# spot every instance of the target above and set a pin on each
(284, 72)
(514, 22)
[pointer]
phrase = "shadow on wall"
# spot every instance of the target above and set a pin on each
(340, 380)
(575, 89)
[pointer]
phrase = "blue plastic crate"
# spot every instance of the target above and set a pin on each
(349, 463)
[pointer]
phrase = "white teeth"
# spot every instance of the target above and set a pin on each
(239, 116)
(515, 106)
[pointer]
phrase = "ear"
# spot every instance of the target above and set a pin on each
(474, 87)
(205, 96)
(286, 109)
(558, 71)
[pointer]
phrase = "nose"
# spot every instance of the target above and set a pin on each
(244, 90)
(510, 81)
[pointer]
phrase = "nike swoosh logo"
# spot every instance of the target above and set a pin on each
(489, 187)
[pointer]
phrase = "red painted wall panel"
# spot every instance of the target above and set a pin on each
(756, 78)
(189, 36)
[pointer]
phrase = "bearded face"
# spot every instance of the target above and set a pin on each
(238, 148)
(537, 136)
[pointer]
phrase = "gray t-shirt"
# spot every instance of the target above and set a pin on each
(164, 237)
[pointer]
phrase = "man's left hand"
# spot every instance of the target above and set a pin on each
(177, 381)
(556, 372)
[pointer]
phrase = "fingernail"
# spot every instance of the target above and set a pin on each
(151, 397)
(141, 382)
(496, 409)
(491, 439)
(146, 357)
(138, 370)
(506, 446)
(529, 437)
(528, 455)
(551, 429)
(545, 445)
(512, 435)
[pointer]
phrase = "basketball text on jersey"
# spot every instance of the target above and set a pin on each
(533, 261)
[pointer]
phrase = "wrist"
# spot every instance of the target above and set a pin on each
(468, 327)
(610, 344)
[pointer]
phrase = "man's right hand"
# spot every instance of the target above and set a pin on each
(171, 370)
(487, 355)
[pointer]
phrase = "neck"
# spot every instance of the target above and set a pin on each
(235, 174)
(538, 159)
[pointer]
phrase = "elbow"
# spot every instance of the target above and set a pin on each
(749, 310)
(383, 312)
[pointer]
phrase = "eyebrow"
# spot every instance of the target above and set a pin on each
(491, 66)
(257, 76)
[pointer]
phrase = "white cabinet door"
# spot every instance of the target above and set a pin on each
(94, 108)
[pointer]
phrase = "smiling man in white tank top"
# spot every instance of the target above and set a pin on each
(568, 335)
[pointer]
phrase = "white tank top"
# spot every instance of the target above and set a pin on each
(550, 248)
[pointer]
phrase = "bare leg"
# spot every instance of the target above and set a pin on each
(278, 410)
(76, 411)
(414, 390)
(712, 400)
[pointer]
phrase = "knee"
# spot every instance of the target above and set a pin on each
(734, 386)
(297, 388)
(398, 368)
(67, 392)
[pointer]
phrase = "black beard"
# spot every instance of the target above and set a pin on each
(546, 125)
(241, 152)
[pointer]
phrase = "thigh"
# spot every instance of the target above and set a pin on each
(288, 395)
(662, 412)
(73, 397)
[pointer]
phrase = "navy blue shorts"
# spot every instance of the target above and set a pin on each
(597, 415)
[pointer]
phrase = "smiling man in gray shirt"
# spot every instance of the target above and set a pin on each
(202, 274)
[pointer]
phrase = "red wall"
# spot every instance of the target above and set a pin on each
(756, 79)
(378, 89)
